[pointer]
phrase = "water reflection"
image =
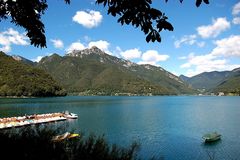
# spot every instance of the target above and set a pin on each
(212, 144)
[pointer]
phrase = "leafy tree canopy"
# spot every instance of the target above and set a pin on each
(138, 13)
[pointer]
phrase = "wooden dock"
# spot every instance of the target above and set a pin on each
(11, 122)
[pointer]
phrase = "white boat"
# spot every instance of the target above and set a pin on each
(211, 137)
(69, 115)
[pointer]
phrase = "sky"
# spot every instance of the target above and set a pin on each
(205, 38)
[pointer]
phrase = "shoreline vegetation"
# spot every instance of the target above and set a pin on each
(37, 143)
(117, 94)
(87, 93)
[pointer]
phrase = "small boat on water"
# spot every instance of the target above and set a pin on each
(211, 137)
(70, 115)
(66, 135)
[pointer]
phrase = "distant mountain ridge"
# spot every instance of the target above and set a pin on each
(216, 81)
(207, 80)
(184, 78)
(95, 72)
(23, 60)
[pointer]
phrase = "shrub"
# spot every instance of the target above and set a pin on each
(35, 143)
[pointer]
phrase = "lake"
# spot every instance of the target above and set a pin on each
(169, 127)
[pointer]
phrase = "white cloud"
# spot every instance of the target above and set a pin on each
(4, 40)
(89, 19)
(206, 63)
(201, 44)
(5, 49)
(182, 58)
(228, 46)
(57, 43)
(153, 57)
(218, 25)
(236, 20)
(15, 37)
(118, 49)
(101, 44)
(117, 52)
(236, 9)
(214, 67)
(216, 59)
(10, 37)
(131, 54)
(75, 46)
(37, 59)
(197, 60)
(187, 39)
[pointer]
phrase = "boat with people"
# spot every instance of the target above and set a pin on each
(211, 137)
(10, 122)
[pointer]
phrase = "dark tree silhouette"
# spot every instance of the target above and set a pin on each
(27, 14)
(138, 13)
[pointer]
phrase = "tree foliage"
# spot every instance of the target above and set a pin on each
(138, 13)
(35, 143)
(27, 14)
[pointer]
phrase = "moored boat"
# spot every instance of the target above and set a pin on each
(66, 135)
(211, 137)
(69, 115)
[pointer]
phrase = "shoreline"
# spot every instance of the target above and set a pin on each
(26, 97)
(124, 95)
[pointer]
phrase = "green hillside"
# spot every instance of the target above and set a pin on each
(18, 79)
(91, 71)
(231, 85)
(159, 76)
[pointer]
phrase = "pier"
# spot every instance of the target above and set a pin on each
(20, 121)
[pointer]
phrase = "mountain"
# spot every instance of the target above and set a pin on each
(91, 71)
(23, 60)
(225, 81)
(231, 84)
(19, 79)
(208, 80)
(183, 78)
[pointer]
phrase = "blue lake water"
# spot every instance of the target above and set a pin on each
(169, 127)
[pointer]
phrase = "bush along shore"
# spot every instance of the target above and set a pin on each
(36, 143)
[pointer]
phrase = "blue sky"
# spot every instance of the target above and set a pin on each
(204, 39)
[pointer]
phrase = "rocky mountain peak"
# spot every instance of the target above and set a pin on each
(95, 49)
(88, 51)
(17, 58)
(22, 59)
